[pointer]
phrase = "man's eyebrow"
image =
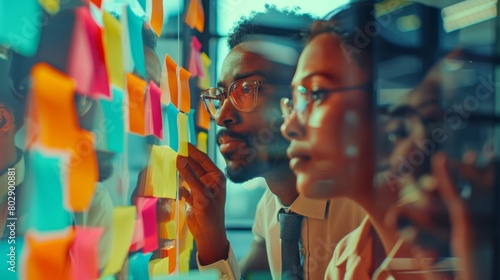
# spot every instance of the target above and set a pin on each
(245, 75)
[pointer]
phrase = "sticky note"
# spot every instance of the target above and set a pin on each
(157, 16)
(143, 4)
(58, 128)
(136, 101)
(84, 252)
(128, 60)
(20, 26)
(47, 256)
(185, 98)
(168, 230)
(170, 252)
(50, 6)
(146, 207)
(136, 45)
(100, 82)
(203, 117)
(184, 258)
(81, 60)
(138, 266)
(163, 171)
(183, 135)
(173, 133)
(158, 267)
(83, 173)
(195, 17)
(202, 142)
(48, 213)
(172, 82)
(192, 130)
(123, 229)
(138, 236)
(114, 129)
(112, 39)
(204, 82)
(195, 64)
(155, 114)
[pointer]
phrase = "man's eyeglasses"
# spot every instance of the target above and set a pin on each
(302, 98)
(242, 94)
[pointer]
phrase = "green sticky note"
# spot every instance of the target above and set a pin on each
(20, 25)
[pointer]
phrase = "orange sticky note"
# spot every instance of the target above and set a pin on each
(47, 256)
(157, 16)
(170, 252)
(172, 81)
(136, 89)
(123, 229)
(203, 117)
(84, 252)
(163, 172)
(185, 98)
(83, 173)
(168, 230)
(112, 38)
(51, 6)
(183, 135)
(56, 112)
(204, 82)
(195, 17)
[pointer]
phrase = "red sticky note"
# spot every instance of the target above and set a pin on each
(154, 112)
(195, 64)
(146, 207)
(157, 16)
(195, 17)
(47, 256)
(136, 90)
(84, 252)
(138, 237)
(185, 98)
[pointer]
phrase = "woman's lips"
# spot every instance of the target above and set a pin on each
(299, 163)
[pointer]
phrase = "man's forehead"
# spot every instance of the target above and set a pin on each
(242, 63)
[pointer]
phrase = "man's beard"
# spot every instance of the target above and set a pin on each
(254, 166)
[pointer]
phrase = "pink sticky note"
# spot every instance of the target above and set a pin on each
(195, 66)
(147, 209)
(138, 237)
(84, 252)
(154, 112)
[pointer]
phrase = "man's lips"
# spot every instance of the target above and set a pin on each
(230, 146)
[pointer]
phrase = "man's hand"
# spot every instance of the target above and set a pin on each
(207, 197)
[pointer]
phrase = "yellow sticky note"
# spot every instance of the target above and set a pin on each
(185, 98)
(202, 142)
(184, 261)
(158, 267)
(162, 172)
(168, 230)
(157, 16)
(51, 6)
(205, 61)
(122, 232)
(112, 38)
(183, 134)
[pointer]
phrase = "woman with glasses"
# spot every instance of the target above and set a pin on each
(330, 123)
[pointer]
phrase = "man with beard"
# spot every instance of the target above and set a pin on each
(255, 75)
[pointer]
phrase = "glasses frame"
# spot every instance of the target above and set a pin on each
(222, 95)
(288, 107)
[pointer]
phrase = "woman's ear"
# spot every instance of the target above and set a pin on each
(6, 121)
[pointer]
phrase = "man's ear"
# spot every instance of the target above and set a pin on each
(6, 121)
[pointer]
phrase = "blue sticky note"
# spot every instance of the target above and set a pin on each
(47, 212)
(20, 25)
(138, 266)
(173, 131)
(136, 44)
(114, 120)
(192, 131)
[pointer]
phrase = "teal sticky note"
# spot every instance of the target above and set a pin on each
(48, 213)
(136, 44)
(138, 266)
(192, 275)
(114, 120)
(192, 130)
(173, 130)
(143, 4)
(20, 25)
